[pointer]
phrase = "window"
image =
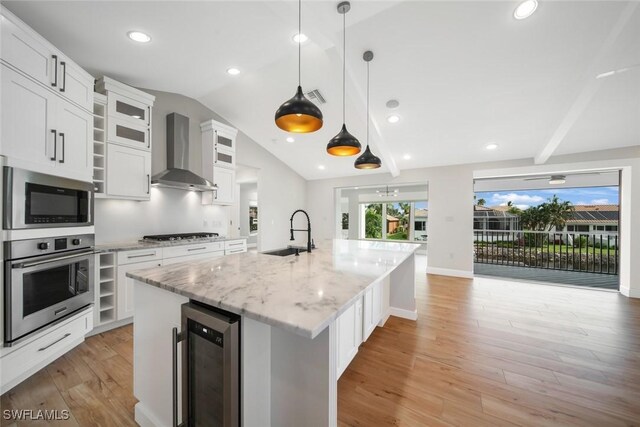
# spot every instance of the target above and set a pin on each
(398, 221)
(373, 221)
(253, 219)
(611, 228)
(599, 227)
(345, 221)
(420, 226)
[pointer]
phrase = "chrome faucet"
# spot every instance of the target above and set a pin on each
(308, 230)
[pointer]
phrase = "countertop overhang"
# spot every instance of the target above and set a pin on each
(301, 294)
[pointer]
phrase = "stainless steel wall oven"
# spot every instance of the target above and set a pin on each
(46, 279)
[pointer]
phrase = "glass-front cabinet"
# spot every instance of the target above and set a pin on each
(127, 109)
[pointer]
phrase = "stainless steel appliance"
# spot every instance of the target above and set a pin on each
(46, 279)
(210, 367)
(179, 236)
(36, 200)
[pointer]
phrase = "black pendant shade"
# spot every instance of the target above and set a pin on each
(299, 115)
(367, 160)
(344, 144)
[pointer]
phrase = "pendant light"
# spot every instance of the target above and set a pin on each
(344, 144)
(368, 160)
(298, 114)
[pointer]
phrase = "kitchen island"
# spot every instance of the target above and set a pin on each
(302, 319)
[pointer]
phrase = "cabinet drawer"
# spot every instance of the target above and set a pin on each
(193, 257)
(22, 362)
(183, 250)
(139, 255)
(235, 244)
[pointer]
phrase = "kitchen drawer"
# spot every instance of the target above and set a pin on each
(139, 255)
(184, 250)
(25, 360)
(193, 257)
(235, 244)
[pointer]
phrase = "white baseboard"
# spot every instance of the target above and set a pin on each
(450, 272)
(628, 292)
(108, 326)
(144, 418)
(405, 314)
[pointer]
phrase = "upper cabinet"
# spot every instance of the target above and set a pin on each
(25, 50)
(123, 135)
(47, 105)
(219, 161)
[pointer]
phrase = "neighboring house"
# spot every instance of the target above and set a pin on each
(392, 224)
(494, 218)
(595, 219)
(420, 224)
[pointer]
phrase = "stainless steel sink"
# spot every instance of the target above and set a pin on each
(284, 252)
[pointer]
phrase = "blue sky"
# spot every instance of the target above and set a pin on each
(525, 198)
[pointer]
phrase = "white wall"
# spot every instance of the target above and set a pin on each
(173, 210)
(168, 211)
(450, 225)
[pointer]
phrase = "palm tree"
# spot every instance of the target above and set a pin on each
(481, 202)
(558, 212)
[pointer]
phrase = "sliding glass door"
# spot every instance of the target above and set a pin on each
(398, 221)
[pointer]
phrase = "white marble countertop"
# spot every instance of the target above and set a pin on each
(142, 244)
(302, 294)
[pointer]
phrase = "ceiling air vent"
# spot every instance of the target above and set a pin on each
(316, 96)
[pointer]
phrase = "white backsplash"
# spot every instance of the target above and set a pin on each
(168, 211)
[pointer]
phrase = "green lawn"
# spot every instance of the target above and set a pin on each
(397, 236)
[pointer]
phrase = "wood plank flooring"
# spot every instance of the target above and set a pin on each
(488, 352)
(483, 352)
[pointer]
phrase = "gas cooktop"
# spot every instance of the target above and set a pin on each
(180, 236)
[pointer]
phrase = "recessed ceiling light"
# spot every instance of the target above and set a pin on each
(407, 157)
(525, 9)
(393, 118)
(321, 167)
(233, 71)
(300, 38)
(138, 36)
(290, 139)
(491, 146)
(392, 104)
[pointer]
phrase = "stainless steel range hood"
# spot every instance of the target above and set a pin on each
(177, 174)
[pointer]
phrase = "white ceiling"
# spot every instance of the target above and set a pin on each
(465, 73)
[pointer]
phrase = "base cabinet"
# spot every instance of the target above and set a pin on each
(372, 309)
(25, 359)
(125, 286)
(349, 335)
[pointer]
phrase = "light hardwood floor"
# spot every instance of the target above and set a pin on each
(483, 352)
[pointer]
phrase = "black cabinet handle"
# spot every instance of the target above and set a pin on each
(148, 116)
(55, 145)
(64, 76)
(148, 138)
(63, 156)
(148, 183)
(55, 71)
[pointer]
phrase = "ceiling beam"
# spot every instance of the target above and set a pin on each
(591, 86)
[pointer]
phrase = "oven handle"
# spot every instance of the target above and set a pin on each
(176, 338)
(50, 260)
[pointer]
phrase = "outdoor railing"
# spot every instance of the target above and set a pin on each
(585, 252)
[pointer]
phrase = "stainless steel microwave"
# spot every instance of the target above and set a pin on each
(37, 200)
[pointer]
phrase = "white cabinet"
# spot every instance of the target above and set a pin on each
(129, 134)
(128, 173)
(128, 110)
(125, 286)
(235, 246)
(27, 51)
(225, 179)
(43, 132)
(219, 161)
(25, 359)
(372, 309)
(192, 257)
(349, 335)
